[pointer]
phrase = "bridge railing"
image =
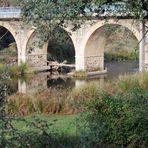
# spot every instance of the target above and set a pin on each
(10, 12)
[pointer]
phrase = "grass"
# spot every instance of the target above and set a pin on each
(60, 124)
(70, 101)
(64, 129)
(14, 70)
(40, 131)
(80, 74)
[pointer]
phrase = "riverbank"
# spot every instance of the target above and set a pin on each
(14, 70)
(120, 104)
(68, 100)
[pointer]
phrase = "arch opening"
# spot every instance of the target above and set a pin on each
(36, 55)
(111, 43)
(60, 47)
(8, 47)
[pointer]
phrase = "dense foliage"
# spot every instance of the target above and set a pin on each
(118, 116)
(119, 119)
(48, 14)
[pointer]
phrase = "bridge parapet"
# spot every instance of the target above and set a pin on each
(10, 13)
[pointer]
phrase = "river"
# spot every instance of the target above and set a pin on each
(48, 93)
(45, 80)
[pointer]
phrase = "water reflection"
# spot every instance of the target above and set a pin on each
(119, 68)
(8, 87)
(43, 81)
(47, 93)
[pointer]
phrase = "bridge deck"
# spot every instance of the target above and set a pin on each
(10, 13)
(15, 13)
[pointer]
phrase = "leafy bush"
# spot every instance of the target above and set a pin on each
(14, 70)
(119, 119)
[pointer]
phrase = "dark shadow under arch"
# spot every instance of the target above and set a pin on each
(6, 37)
(60, 47)
(8, 46)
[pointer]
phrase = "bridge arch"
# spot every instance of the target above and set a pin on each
(94, 44)
(8, 37)
(37, 56)
(61, 47)
(12, 30)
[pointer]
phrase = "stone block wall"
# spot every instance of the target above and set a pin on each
(37, 60)
(94, 63)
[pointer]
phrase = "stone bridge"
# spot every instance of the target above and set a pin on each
(87, 40)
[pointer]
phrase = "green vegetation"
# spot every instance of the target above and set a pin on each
(62, 124)
(80, 74)
(8, 62)
(121, 44)
(60, 52)
(121, 56)
(117, 114)
(16, 70)
(73, 10)
(40, 131)
(8, 55)
(119, 119)
(112, 115)
(71, 101)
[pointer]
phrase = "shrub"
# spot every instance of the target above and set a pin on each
(14, 70)
(119, 119)
(80, 74)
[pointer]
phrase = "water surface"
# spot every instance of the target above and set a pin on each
(46, 80)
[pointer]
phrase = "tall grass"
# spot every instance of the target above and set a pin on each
(14, 70)
(80, 74)
(71, 101)
(40, 102)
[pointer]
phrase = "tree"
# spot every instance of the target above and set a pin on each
(7, 3)
(48, 14)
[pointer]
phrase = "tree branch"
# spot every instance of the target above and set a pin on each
(3, 35)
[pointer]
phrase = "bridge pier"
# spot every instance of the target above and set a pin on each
(90, 44)
(142, 61)
(80, 63)
(145, 44)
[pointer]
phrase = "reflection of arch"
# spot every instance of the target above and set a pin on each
(94, 44)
